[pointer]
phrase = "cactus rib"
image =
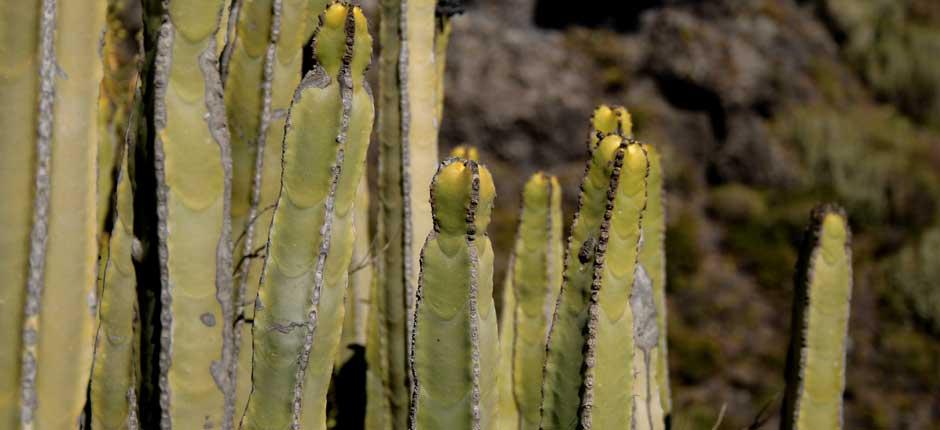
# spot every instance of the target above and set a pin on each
(815, 372)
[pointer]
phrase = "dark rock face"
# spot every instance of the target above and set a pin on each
(759, 97)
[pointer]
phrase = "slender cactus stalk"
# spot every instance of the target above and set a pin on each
(529, 296)
(114, 373)
(299, 312)
(182, 214)
(456, 353)
(264, 68)
(609, 120)
(47, 172)
(413, 38)
(816, 359)
(653, 263)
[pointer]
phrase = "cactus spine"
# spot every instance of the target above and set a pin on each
(188, 228)
(47, 171)
(413, 36)
(816, 360)
(455, 354)
(299, 311)
(114, 373)
(529, 296)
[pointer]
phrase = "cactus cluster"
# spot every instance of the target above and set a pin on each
(224, 193)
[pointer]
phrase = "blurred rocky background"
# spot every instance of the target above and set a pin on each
(762, 108)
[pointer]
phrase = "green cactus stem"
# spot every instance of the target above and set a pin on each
(815, 373)
(653, 263)
(182, 215)
(299, 310)
(529, 296)
(413, 35)
(114, 376)
(264, 68)
(456, 354)
(47, 172)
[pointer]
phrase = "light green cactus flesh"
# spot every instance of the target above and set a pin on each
(360, 279)
(530, 293)
(189, 141)
(653, 261)
(114, 373)
(47, 172)
(411, 67)
(299, 309)
(816, 362)
(562, 377)
(456, 350)
(264, 68)
(466, 151)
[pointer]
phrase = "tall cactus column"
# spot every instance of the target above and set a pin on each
(529, 297)
(299, 309)
(413, 39)
(816, 360)
(47, 175)
(183, 175)
(456, 352)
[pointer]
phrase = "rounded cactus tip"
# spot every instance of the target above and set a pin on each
(608, 120)
(607, 149)
(537, 188)
(635, 157)
(362, 47)
(452, 192)
(335, 16)
(330, 41)
(466, 151)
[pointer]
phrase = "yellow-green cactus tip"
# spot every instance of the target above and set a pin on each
(833, 235)
(362, 47)
(451, 195)
(537, 187)
(466, 151)
(331, 38)
(626, 121)
(635, 158)
(607, 149)
(604, 120)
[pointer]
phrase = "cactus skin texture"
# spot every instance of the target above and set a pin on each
(816, 360)
(529, 296)
(182, 213)
(466, 152)
(47, 172)
(114, 373)
(456, 354)
(413, 35)
(653, 261)
(604, 333)
(263, 69)
(299, 309)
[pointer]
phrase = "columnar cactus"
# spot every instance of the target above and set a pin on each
(263, 69)
(114, 374)
(413, 36)
(604, 334)
(529, 296)
(183, 186)
(299, 308)
(815, 372)
(47, 176)
(456, 353)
